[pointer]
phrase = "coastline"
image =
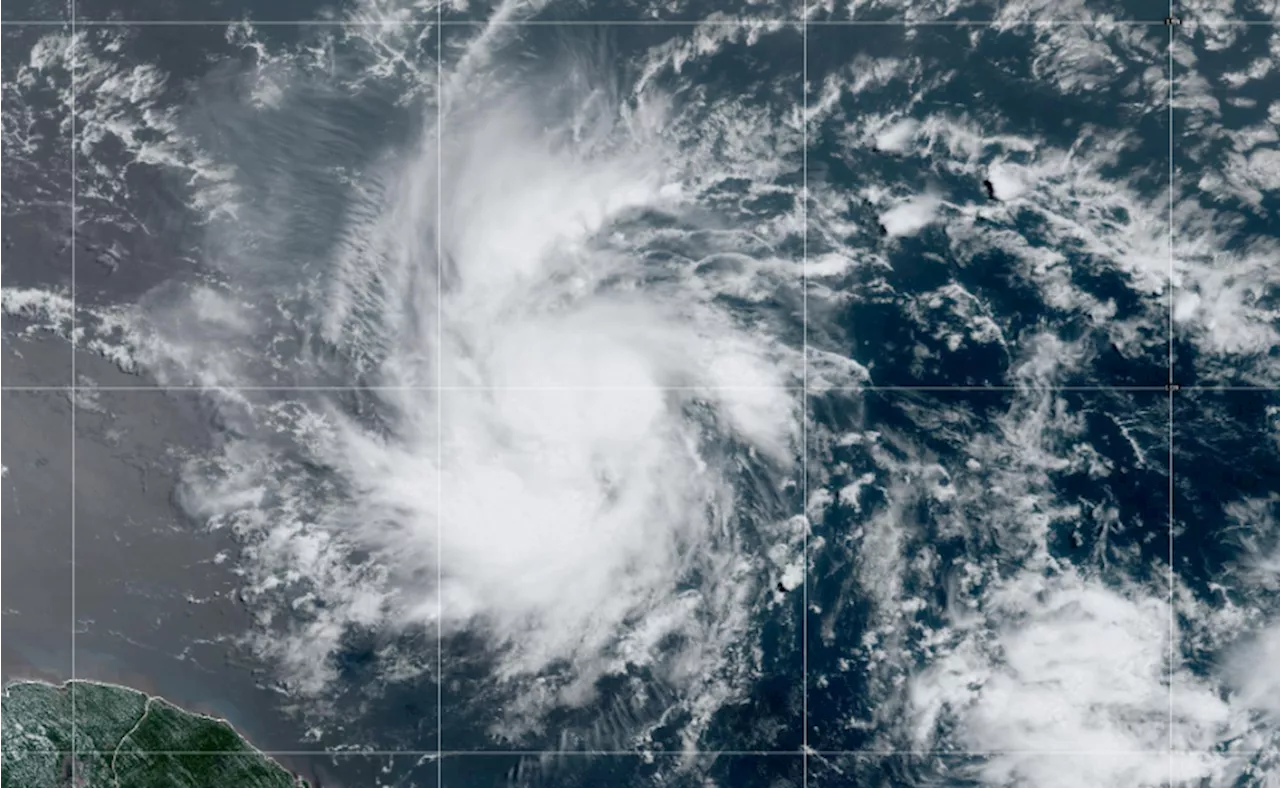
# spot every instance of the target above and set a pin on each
(149, 705)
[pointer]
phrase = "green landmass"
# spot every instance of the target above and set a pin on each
(123, 739)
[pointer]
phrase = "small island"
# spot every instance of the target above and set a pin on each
(123, 739)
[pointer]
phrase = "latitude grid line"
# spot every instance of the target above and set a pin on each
(606, 389)
(652, 753)
(159, 389)
(739, 22)
(746, 21)
(440, 753)
(647, 754)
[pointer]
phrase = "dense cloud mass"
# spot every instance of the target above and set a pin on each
(571, 447)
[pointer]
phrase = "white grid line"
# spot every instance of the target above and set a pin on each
(1173, 644)
(755, 22)
(439, 396)
(804, 23)
(605, 389)
(676, 754)
(75, 405)
(804, 399)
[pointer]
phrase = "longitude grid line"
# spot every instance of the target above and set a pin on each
(1172, 389)
(75, 47)
(804, 394)
(439, 395)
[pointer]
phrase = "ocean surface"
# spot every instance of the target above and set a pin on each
(579, 394)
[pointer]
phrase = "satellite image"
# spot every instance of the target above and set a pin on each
(593, 393)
